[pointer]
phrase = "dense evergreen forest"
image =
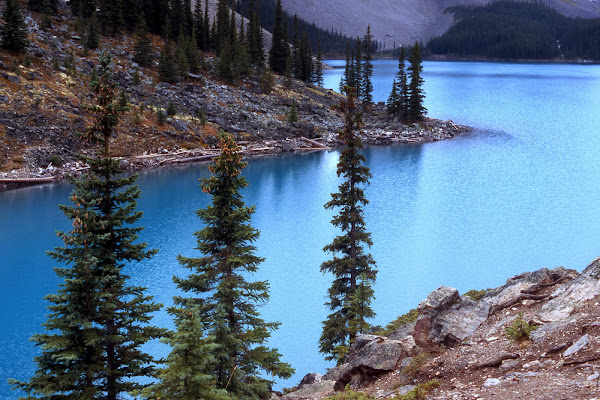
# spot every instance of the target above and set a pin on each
(516, 30)
(333, 43)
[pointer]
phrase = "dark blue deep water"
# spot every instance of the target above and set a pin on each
(520, 192)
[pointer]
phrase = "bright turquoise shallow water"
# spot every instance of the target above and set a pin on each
(520, 192)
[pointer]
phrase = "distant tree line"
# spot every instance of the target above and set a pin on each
(518, 30)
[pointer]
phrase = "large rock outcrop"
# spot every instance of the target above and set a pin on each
(566, 298)
(447, 318)
(369, 357)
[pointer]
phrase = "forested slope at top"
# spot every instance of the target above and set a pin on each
(510, 30)
(396, 22)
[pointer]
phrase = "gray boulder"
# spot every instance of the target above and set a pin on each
(310, 378)
(315, 391)
(369, 357)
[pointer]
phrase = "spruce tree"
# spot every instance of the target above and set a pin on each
(415, 109)
(350, 294)
(13, 34)
(166, 65)
(185, 376)
(143, 51)
(357, 70)
(346, 76)
(222, 27)
(398, 101)
(199, 28)
(393, 100)
(92, 39)
(43, 6)
(46, 23)
(402, 107)
(207, 34)
(280, 49)
(182, 66)
(98, 322)
(367, 68)
(306, 65)
(318, 74)
(219, 285)
(296, 58)
(255, 45)
(111, 16)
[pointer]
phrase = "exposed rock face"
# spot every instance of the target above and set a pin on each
(567, 297)
(445, 317)
(314, 391)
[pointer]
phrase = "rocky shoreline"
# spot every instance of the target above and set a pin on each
(460, 348)
(378, 131)
(44, 106)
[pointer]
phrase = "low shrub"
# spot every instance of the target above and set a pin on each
(407, 318)
(351, 395)
(519, 330)
(475, 295)
(415, 364)
(420, 391)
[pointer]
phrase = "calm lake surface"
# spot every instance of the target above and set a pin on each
(520, 192)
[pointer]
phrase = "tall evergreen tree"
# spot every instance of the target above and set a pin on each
(346, 76)
(98, 321)
(280, 49)
(188, 18)
(157, 14)
(222, 28)
(111, 16)
(318, 70)
(82, 8)
(219, 284)
(176, 19)
(296, 58)
(131, 11)
(398, 101)
(350, 294)
(143, 51)
(166, 64)
(415, 109)
(367, 68)
(255, 44)
(305, 54)
(199, 28)
(92, 39)
(39, 6)
(357, 70)
(392, 103)
(13, 34)
(207, 33)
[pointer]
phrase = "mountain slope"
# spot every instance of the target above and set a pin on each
(404, 21)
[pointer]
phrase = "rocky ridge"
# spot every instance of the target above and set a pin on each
(43, 99)
(463, 344)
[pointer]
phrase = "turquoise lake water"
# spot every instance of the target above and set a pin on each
(520, 192)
